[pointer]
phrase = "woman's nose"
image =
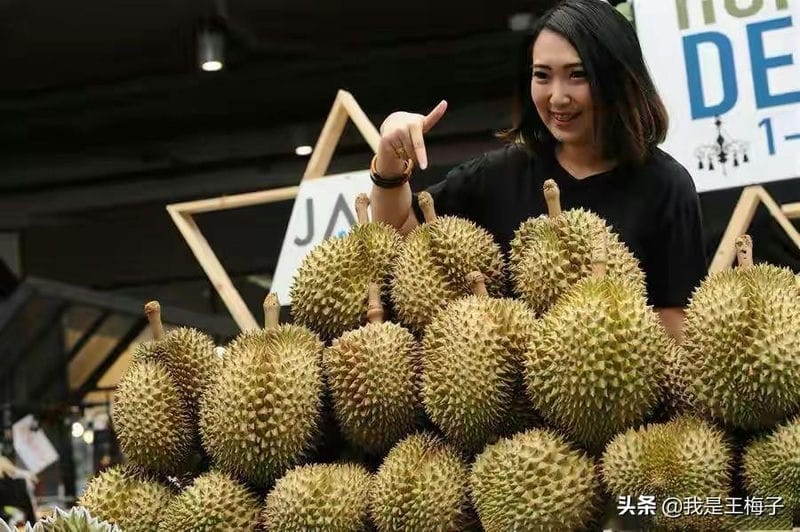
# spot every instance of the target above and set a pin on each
(559, 96)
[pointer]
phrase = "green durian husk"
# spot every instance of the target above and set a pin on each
(319, 498)
(685, 457)
(741, 341)
(329, 290)
(432, 264)
(127, 498)
(596, 362)
(214, 502)
(550, 255)
(534, 481)
(422, 485)
(153, 424)
(188, 355)
(77, 519)
(373, 377)
(262, 411)
(471, 367)
(771, 465)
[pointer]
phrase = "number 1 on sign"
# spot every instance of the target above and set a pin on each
(767, 125)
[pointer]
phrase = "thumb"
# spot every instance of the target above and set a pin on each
(432, 118)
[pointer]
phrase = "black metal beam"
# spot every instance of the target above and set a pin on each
(90, 331)
(11, 306)
(108, 360)
(220, 325)
(87, 335)
(13, 349)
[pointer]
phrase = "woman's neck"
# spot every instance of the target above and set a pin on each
(583, 160)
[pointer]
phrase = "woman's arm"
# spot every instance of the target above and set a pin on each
(393, 206)
(402, 137)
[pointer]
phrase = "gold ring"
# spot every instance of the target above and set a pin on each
(401, 153)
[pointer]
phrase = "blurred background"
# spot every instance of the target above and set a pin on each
(113, 110)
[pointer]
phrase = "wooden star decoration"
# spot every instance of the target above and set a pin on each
(344, 107)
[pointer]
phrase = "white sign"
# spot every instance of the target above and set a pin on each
(729, 74)
(32, 446)
(324, 207)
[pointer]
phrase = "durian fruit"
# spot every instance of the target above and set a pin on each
(596, 361)
(771, 465)
(127, 498)
(422, 485)
(433, 262)
(675, 397)
(319, 498)
(534, 481)
(213, 503)
(188, 355)
(685, 457)
(261, 412)
(153, 425)
(77, 519)
(550, 254)
(741, 341)
(781, 521)
(471, 364)
(372, 374)
(327, 292)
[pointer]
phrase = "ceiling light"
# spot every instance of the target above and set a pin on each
(211, 66)
(88, 437)
(303, 150)
(77, 429)
(210, 49)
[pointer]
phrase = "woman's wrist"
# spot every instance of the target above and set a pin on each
(390, 179)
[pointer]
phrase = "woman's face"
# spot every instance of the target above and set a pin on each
(560, 89)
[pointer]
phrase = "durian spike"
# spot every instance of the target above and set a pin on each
(477, 282)
(374, 306)
(599, 254)
(552, 195)
(272, 311)
(744, 251)
(152, 310)
(426, 204)
(362, 202)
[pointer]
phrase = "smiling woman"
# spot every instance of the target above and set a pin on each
(591, 122)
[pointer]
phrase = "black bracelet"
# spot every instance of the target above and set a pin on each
(386, 183)
(383, 182)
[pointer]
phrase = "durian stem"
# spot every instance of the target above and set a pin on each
(153, 312)
(477, 282)
(744, 251)
(374, 306)
(272, 311)
(552, 195)
(426, 204)
(599, 254)
(362, 202)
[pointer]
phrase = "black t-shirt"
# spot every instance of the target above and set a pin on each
(654, 208)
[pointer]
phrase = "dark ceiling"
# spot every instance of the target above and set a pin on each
(96, 91)
(106, 117)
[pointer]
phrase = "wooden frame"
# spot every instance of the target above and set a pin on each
(344, 107)
(742, 218)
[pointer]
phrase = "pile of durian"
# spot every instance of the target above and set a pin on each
(427, 384)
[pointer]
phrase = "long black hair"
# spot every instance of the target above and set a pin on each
(630, 118)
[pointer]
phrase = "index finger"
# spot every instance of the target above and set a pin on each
(434, 116)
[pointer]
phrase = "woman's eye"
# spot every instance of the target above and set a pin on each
(538, 74)
(578, 74)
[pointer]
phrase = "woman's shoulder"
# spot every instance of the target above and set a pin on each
(508, 160)
(665, 173)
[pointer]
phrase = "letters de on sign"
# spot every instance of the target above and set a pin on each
(734, 97)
